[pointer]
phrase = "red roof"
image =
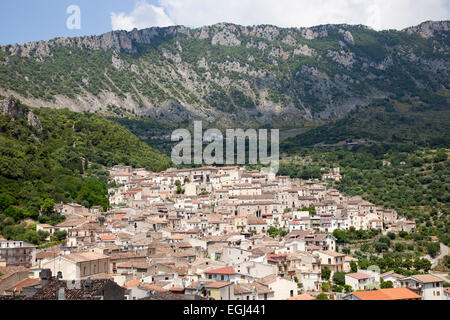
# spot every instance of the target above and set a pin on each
(388, 294)
(225, 270)
(132, 283)
(25, 283)
(107, 237)
(131, 192)
(358, 275)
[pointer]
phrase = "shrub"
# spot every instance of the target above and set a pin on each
(322, 296)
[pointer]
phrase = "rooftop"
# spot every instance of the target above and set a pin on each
(388, 294)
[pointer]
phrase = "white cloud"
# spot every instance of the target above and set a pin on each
(378, 14)
(144, 15)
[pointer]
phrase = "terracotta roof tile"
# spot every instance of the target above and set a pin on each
(388, 294)
(226, 270)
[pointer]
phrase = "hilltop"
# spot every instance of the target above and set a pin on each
(230, 75)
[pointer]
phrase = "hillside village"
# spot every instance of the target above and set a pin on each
(205, 233)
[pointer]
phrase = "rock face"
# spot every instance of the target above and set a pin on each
(117, 62)
(305, 51)
(429, 29)
(34, 121)
(225, 38)
(344, 58)
(226, 73)
(10, 107)
(314, 33)
(348, 37)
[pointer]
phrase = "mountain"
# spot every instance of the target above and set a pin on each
(231, 75)
(61, 155)
(382, 122)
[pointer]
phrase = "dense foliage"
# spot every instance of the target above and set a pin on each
(382, 122)
(61, 159)
(412, 179)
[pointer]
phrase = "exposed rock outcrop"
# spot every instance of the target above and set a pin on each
(34, 121)
(429, 29)
(10, 107)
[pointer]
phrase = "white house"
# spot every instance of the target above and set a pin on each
(282, 288)
(362, 280)
(393, 277)
(429, 287)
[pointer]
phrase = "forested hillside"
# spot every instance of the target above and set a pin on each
(50, 156)
(385, 121)
(414, 180)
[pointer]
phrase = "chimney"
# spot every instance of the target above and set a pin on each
(45, 276)
(61, 294)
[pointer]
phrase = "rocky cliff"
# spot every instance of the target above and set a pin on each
(228, 74)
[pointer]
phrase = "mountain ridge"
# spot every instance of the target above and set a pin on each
(426, 29)
(231, 75)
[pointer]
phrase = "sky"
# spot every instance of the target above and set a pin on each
(31, 20)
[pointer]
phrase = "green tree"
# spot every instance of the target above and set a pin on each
(326, 287)
(59, 235)
(433, 248)
(380, 246)
(6, 200)
(326, 273)
(386, 284)
(337, 288)
(322, 296)
(399, 247)
(403, 234)
(47, 207)
(42, 235)
(386, 240)
(339, 278)
(353, 266)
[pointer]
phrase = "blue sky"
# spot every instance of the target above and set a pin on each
(31, 20)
